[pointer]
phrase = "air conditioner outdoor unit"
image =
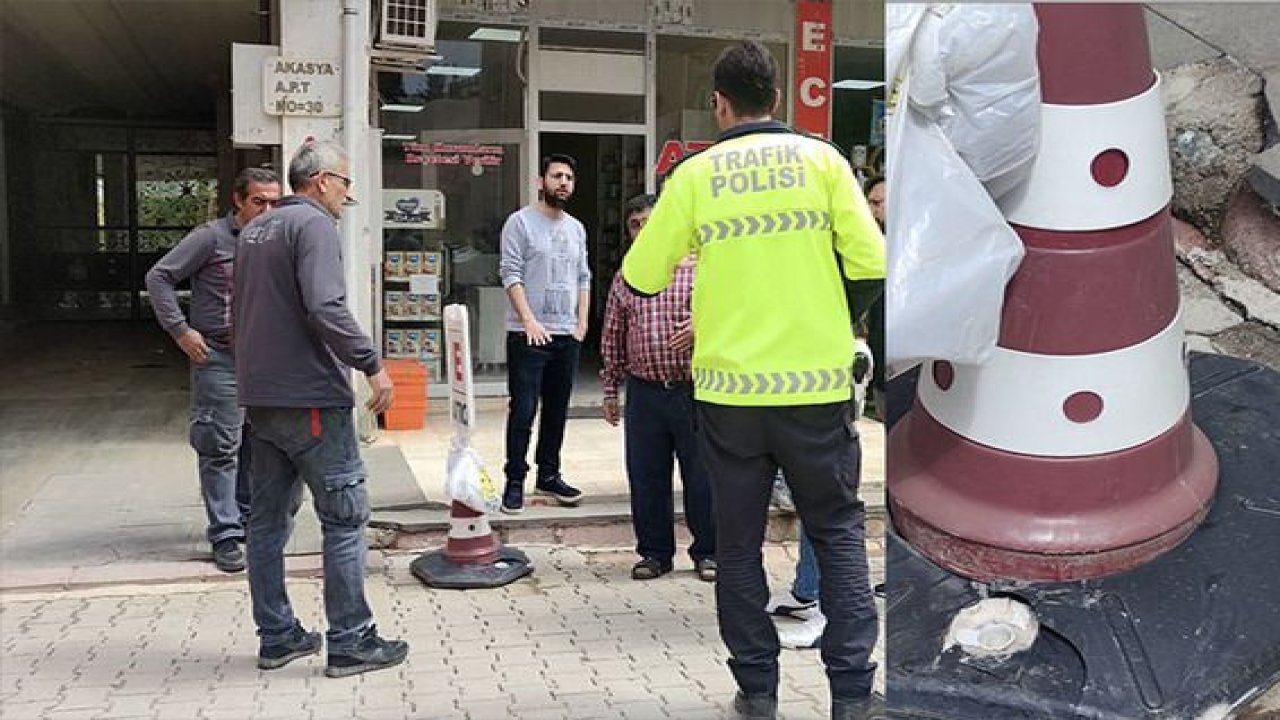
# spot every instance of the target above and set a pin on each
(407, 26)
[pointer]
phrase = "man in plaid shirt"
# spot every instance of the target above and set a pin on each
(647, 343)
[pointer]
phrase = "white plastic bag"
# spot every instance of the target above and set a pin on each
(967, 72)
(466, 480)
(973, 71)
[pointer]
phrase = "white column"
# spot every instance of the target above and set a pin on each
(338, 30)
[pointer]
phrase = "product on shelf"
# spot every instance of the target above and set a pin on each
(394, 265)
(394, 344)
(412, 263)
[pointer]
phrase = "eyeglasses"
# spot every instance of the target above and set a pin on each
(346, 181)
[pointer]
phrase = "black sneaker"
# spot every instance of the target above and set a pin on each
(370, 653)
(563, 492)
(755, 707)
(868, 708)
(228, 556)
(299, 643)
(706, 569)
(513, 498)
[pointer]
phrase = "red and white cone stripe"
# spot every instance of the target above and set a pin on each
(1071, 454)
(471, 540)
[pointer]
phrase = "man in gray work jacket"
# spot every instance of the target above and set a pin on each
(206, 256)
(295, 340)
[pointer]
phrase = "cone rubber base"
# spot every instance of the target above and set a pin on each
(1196, 630)
(437, 571)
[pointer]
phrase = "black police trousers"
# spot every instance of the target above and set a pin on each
(816, 446)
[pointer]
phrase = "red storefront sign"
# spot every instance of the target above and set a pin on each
(811, 106)
(673, 151)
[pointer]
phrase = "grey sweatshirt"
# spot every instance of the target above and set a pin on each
(207, 256)
(293, 331)
(549, 257)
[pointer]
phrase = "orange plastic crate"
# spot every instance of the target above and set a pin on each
(409, 407)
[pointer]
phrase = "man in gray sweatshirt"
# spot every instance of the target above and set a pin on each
(295, 340)
(206, 256)
(544, 269)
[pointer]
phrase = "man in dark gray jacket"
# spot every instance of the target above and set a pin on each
(206, 256)
(295, 340)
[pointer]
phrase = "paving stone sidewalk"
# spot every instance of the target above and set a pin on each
(578, 640)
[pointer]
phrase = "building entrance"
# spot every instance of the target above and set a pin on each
(610, 171)
(106, 203)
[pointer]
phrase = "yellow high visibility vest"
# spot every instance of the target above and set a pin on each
(766, 211)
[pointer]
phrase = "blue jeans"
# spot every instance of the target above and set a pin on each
(217, 424)
(659, 424)
(808, 578)
(292, 446)
(538, 374)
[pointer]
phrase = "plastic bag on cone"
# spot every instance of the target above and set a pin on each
(964, 128)
(467, 481)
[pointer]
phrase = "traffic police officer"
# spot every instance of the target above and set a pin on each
(773, 216)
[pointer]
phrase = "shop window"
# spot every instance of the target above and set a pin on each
(476, 84)
(447, 195)
(685, 84)
(591, 107)
(858, 106)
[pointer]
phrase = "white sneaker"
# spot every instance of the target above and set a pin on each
(805, 636)
(786, 605)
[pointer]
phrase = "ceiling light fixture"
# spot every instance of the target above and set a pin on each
(453, 71)
(497, 34)
(858, 84)
(401, 107)
(399, 137)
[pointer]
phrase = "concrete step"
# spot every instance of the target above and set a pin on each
(599, 522)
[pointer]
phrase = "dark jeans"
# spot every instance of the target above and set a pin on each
(659, 424)
(217, 424)
(538, 373)
(817, 449)
(292, 446)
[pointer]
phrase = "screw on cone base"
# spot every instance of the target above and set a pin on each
(437, 571)
(1194, 631)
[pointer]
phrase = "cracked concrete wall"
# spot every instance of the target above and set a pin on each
(1221, 72)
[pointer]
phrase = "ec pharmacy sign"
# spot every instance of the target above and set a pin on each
(308, 88)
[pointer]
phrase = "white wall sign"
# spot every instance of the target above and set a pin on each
(420, 209)
(300, 87)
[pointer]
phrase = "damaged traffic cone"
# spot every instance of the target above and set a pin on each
(1064, 556)
(473, 556)
(471, 541)
(1071, 454)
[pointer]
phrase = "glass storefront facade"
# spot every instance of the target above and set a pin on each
(461, 144)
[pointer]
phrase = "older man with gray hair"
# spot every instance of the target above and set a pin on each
(295, 340)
